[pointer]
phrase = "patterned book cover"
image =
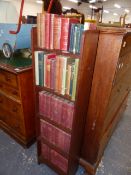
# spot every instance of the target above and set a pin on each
(59, 161)
(64, 65)
(61, 62)
(65, 32)
(57, 32)
(47, 30)
(52, 30)
(59, 110)
(42, 102)
(68, 78)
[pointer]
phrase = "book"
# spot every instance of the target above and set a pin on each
(68, 78)
(57, 73)
(39, 30)
(41, 67)
(57, 32)
(42, 29)
(36, 68)
(75, 79)
(52, 19)
(52, 73)
(65, 32)
(47, 30)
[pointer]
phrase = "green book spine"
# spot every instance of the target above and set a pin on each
(72, 78)
(41, 68)
(75, 80)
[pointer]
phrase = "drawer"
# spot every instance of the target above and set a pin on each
(11, 91)
(13, 107)
(12, 122)
(8, 78)
(117, 96)
(126, 46)
(123, 68)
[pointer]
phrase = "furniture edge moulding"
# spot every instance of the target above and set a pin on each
(108, 52)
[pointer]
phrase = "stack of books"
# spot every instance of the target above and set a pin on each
(59, 32)
(56, 109)
(56, 72)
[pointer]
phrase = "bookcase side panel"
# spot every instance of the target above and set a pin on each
(85, 74)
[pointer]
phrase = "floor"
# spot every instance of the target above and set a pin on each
(14, 160)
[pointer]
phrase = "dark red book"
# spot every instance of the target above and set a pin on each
(70, 114)
(46, 151)
(65, 32)
(59, 110)
(55, 109)
(57, 32)
(48, 105)
(42, 102)
(59, 161)
(47, 30)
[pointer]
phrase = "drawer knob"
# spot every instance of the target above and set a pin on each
(14, 93)
(15, 109)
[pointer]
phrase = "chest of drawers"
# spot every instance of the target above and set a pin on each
(17, 103)
(110, 88)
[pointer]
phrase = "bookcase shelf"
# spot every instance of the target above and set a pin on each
(58, 52)
(54, 147)
(40, 88)
(85, 74)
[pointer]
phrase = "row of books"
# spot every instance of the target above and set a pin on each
(59, 32)
(56, 109)
(56, 72)
(55, 136)
(54, 157)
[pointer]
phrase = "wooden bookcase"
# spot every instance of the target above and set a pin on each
(85, 73)
(108, 98)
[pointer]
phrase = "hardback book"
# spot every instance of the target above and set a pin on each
(75, 79)
(68, 78)
(52, 73)
(57, 32)
(42, 30)
(47, 68)
(72, 78)
(36, 68)
(52, 19)
(47, 30)
(57, 73)
(41, 67)
(65, 32)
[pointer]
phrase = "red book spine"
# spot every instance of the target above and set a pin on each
(70, 114)
(57, 72)
(42, 30)
(59, 110)
(57, 32)
(64, 114)
(48, 105)
(52, 102)
(42, 102)
(64, 34)
(47, 30)
(59, 161)
(46, 151)
(55, 110)
(52, 30)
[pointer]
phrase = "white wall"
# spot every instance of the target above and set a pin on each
(9, 10)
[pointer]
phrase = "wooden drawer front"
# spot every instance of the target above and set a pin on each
(8, 78)
(118, 94)
(123, 68)
(9, 90)
(11, 121)
(126, 46)
(13, 107)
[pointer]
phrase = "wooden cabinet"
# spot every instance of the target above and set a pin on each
(17, 103)
(110, 88)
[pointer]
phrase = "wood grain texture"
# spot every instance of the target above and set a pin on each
(107, 96)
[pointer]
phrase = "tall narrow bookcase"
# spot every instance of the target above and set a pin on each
(68, 160)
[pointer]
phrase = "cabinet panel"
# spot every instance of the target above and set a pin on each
(8, 78)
